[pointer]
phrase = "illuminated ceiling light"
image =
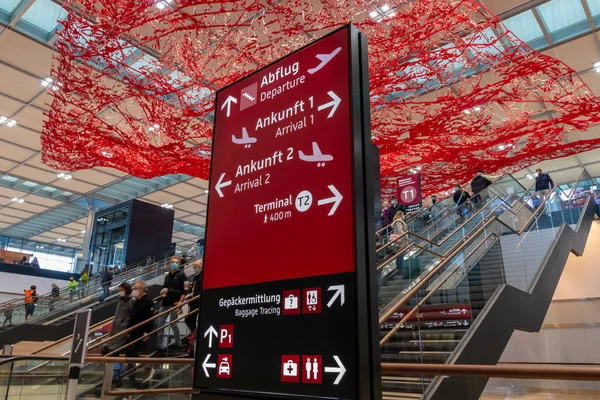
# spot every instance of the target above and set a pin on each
(419, 168)
(373, 14)
(107, 154)
(8, 122)
(385, 8)
(206, 190)
(477, 109)
(47, 82)
(156, 126)
(82, 231)
(64, 176)
(61, 240)
(467, 111)
(392, 14)
(529, 176)
(597, 66)
(167, 206)
(17, 200)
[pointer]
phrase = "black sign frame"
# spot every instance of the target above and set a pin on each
(366, 329)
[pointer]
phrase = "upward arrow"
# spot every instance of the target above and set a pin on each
(210, 332)
(227, 103)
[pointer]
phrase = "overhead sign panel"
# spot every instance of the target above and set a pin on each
(279, 304)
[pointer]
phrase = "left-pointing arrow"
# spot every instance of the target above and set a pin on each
(340, 370)
(206, 365)
(220, 184)
(336, 200)
(210, 332)
(333, 104)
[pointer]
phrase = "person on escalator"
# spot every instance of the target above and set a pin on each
(173, 293)
(479, 183)
(395, 207)
(461, 199)
(54, 297)
(121, 319)
(386, 214)
(31, 297)
(107, 279)
(141, 310)
(543, 185)
(399, 228)
(195, 286)
(72, 288)
(183, 262)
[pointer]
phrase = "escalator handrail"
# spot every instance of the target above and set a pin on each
(11, 359)
(536, 214)
(422, 211)
(123, 332)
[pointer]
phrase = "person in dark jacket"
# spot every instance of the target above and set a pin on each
(141, 310)
(54, 297)
(106, 282)
(121, 319)
(542, 181)
(183, 262)
(395, 207)
(386, 214)
(478, 185)
(461, 197)
(173, 293)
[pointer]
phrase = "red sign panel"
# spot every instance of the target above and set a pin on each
(409, 192)
(281, 203)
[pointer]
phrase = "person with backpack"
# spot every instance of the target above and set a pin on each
(461, 198)
(478, 185)
(31, 297)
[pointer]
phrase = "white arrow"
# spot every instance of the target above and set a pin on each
(206, 365)
(210, 332)
(333, 104)
(340, 370)
(220, 184)
(340, 292)
(227, 103)
(336, 199)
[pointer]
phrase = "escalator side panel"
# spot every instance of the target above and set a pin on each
(508, 310)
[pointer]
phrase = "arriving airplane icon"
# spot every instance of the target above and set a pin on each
(245, 140)
(325, 58)
(317, 156)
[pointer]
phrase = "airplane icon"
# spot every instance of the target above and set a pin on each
(245, 140)
(325, 58)
(317, 156)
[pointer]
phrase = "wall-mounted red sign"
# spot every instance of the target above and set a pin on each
(409, 192)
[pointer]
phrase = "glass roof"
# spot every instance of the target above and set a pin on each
(8, 5)
(525, 26)
(564, 18)
(44, 14)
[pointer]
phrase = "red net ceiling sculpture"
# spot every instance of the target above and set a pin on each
(452, 91)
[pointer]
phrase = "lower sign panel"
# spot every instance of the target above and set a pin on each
(280, 337)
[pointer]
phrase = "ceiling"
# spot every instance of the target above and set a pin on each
(56, 208)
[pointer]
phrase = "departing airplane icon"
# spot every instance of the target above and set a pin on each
(317, 156)
(325, 58)
(246, 140)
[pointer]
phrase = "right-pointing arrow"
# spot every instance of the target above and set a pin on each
(336, 199)
(333, 104)
(339, 292)
(220, 184)
(340, 370)
(210, 332)
(206, 365)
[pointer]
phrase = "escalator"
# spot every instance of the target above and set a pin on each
(57, 319)
(422, 250)
(502, 277)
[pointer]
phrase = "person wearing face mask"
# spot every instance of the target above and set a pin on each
(121, 319)
(395, 207)
(141, 310)
(173, 293)
(461, 197)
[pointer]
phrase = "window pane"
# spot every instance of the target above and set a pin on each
(44, 14)
(525, 26)
(564, 18)
(8, 5)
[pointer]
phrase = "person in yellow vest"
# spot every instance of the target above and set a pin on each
(71, 288)
(31, 298)
(83, 281)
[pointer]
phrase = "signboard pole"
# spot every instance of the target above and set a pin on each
(289, 299)
(78, 350)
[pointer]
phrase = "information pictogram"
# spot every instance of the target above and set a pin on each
(290, 370)
(224, 363)
(312, 369)
(291, 302)
(226, 336)
(312, 301)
